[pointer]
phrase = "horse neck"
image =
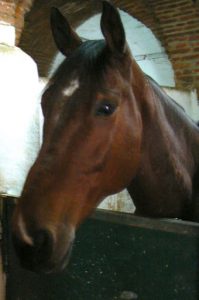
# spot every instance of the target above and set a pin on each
(168, 130)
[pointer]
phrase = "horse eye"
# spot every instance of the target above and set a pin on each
(105, 109)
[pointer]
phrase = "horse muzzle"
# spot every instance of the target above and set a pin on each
(44, 250)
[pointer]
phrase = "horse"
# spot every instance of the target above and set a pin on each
(107, 126)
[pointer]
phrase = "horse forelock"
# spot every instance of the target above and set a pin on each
(85, 62)
(81, 76)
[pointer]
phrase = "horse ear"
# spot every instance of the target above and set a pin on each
(64, 36)
(112, 28)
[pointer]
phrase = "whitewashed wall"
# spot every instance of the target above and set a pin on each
(187, 99)
(19, 119)
(19, 113)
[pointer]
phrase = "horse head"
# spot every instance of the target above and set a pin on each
(91, 141)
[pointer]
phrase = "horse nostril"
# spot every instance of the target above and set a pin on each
(38, 254)
(42, 243)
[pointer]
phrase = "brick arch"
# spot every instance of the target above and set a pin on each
(37, 39)
(139, 9)
(175, 24)
(13, 11)
(138, 37)
(77, 12)
(160, 70)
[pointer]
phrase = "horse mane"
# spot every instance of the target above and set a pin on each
(163, 92)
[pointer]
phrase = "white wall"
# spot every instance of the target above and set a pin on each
(19, 119)
(187, 99)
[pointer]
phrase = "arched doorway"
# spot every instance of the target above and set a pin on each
(145, 47)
